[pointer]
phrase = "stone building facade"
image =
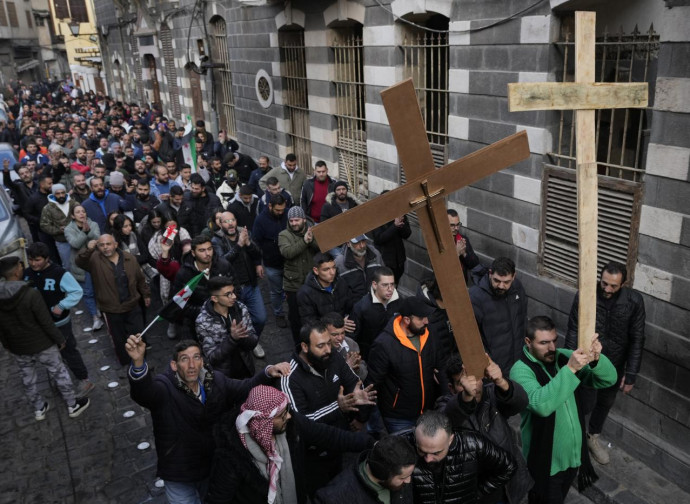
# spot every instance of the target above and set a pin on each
(305, 76)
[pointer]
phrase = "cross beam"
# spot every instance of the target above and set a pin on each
(584, 96)
(425, 188)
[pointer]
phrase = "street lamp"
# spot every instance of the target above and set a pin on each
(74, 28)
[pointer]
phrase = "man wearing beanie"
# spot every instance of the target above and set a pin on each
(54, 219)
(337, 202)
(298, 247)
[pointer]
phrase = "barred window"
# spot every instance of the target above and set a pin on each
(220, 54)
(170, 72)
(12, 14)
(350, 97)
(621, 141)
(296, 100)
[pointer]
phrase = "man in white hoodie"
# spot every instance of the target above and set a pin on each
(54, 219)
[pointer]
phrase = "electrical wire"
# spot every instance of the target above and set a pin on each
(469, 30)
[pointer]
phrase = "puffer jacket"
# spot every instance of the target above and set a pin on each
(490, 417)
(358, 279)
(407, 380)
(78, 239)
(473, 467)
(331, 208)
(53, 220)
(227, 355)
(27, 327)
(183, 425)
(314, 301)
(298, 256)
(501, 321)
(621, 330)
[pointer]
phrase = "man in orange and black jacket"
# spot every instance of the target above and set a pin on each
(405, 366)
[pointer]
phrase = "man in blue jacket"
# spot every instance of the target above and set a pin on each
(101, 202)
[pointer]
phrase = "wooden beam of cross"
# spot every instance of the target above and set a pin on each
(425, 192)
(583, 96)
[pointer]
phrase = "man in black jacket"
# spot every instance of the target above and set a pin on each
(468, 259)
(144, 202)
(485, 407)
(323, 293)
(245, 207)
(620, 322)
(315, 190)
(455, 467)
(357, 264)
(338, 203)
(200, 258)
(185, 402)
(197, 206)
(500, 307)
(404, 366)
(323, 387)
(389, 241)
(372, 313)
(380, 475)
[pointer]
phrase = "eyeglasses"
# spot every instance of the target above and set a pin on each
(227, 294)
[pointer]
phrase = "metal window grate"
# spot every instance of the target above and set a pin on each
(621, 138)
(3, 14)
(425, 60)
(350, 97)
(12, 14)
(78, 11)
(296, 101)
(221, 55)
(134, 41)
(170, 72)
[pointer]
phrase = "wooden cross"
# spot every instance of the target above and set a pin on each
(426, 188)
(583, 96)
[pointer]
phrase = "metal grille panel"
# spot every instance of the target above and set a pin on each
(619, 207)
(296, 100)
(170, 73)
(134, 41)
(220, 55)
(349, 92)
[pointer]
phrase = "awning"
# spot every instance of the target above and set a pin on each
(27, 66)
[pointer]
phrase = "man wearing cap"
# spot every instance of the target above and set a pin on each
(290, 176)
(357, 265)
(337, 202)
(298, 247)
(404, 365)
(260, 451)
(54, 218)
(228, 189)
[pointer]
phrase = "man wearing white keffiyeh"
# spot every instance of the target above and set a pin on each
(260, 451)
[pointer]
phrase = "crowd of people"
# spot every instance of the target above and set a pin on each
(117, 219)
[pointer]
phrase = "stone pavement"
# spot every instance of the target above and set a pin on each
(94, 458)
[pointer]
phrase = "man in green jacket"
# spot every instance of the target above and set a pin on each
(553, 423)
(298, 247)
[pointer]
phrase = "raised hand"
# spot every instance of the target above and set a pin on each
(136, 348)
(238, 331)
(493, 372)
(470, 385)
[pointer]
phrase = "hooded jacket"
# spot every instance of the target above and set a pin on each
(501, 320)
(298, 255)
(227, 355)
(99, 209)
(26, 325)
(315, 301)
(58, 288)
(292, 182)
(54, 219)
(371, 318)
(78, 239)
(195, 212)
(245, 215)
(265, 232)
(331, 208)
(407, 380)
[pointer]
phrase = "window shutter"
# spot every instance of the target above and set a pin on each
(78, 11)
(3, 14)
(12, 15)
(61, 9)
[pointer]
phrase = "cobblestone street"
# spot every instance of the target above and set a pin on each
(95, 457)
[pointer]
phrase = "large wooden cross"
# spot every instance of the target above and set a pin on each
(583, 96)
(425, 191)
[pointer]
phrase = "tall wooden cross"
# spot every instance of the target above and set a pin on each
(583, 96)
(425, 191)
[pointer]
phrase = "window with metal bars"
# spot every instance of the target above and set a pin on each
(350, 97)
(170, 72)
(73, 9)
(134, 42)
(293, 67)
(223, 75)
(12, 14)
(3, 14)
(425, 60)
(621, 142)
